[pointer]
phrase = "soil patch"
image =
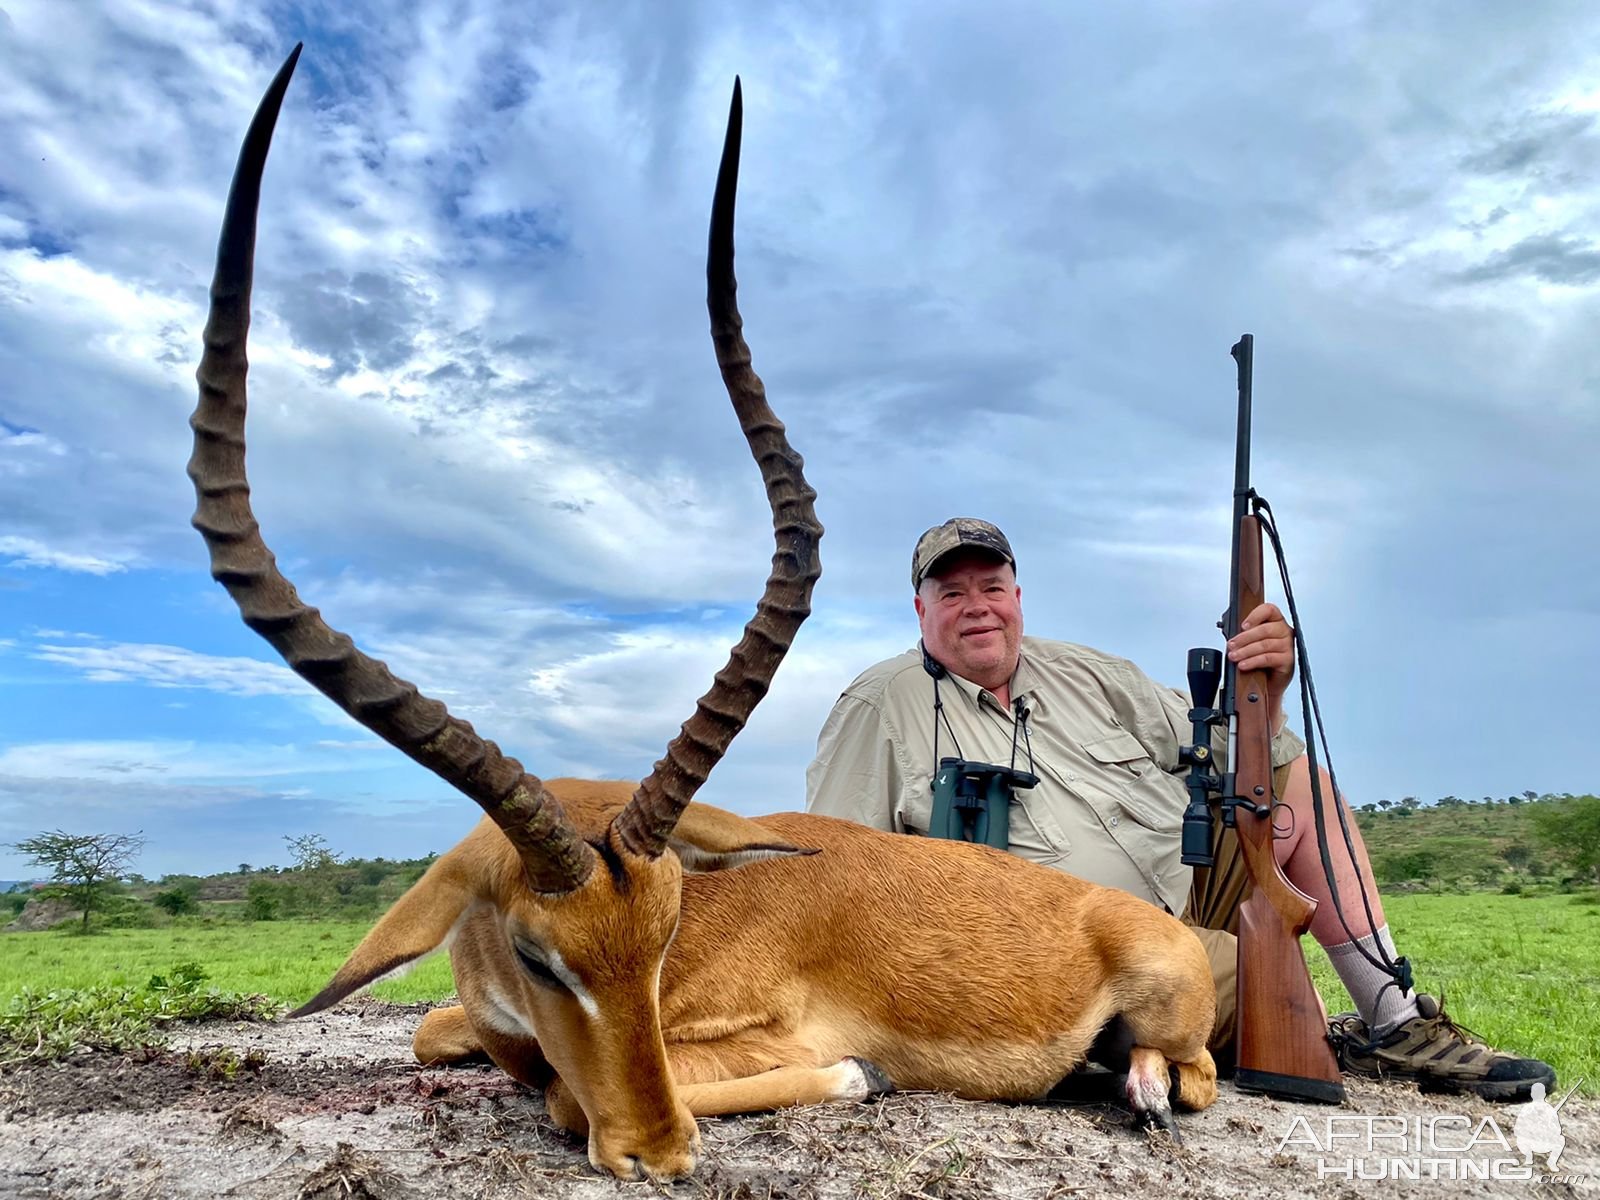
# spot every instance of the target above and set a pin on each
(334, 1106)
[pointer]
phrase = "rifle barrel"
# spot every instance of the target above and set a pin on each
(1244, 354)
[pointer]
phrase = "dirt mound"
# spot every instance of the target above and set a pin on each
(334, 1106)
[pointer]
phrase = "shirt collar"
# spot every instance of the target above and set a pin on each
(1024, 681)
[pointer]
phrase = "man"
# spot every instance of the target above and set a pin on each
(1103, 739)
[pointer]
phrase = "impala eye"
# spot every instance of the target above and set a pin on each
(537, 967)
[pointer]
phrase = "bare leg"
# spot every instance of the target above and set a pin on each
(1297, 853)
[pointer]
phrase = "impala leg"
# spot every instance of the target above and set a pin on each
(1197, 1082)
(1147, 1087)
(1195, 1087)
(781, 1087)
(564, 1108)
(446, 1037)
(1171, 1023)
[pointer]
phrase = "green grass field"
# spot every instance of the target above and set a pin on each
(287, 960)
(1524, 972)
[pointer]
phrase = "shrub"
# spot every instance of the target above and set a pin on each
(125, 912)
(1400, 868)
(373, 873)
(261, 902)
(1572, 830)
(45, 1026)
(175, 902)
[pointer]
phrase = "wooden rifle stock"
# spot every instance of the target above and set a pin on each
(1283, 1047)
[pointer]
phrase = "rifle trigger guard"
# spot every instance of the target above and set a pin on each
(1254, 809)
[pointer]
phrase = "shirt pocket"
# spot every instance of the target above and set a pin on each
(1035, 832)
(1142, 790)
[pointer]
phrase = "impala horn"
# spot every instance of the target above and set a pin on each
(647, 822)
(554, 857)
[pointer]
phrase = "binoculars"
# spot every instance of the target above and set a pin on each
(972, 801)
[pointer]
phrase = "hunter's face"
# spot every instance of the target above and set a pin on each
(971, 618)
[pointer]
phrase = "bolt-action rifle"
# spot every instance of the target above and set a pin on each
(1283, 1047)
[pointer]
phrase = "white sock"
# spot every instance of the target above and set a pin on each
(1382, 1007)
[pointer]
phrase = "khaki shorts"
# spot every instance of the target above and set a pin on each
(1213, 913)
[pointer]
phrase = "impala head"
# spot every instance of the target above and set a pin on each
(584, 972)
(575, 910)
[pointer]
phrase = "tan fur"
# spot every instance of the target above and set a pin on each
(952, 967)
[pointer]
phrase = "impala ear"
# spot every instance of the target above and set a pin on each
(420, 922)
(712, 839)
(699, 861)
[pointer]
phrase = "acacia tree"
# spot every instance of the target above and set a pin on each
(310, 852)
(82, 864)
(314, 864)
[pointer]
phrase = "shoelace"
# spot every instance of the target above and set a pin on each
(1440, 1021)
(1441, 1018)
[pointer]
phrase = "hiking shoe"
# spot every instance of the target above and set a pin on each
(1436, 1052)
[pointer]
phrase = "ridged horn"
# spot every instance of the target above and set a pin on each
(555, 858)
(647, 821)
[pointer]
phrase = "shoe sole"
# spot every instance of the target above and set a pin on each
(1502, 1090)
(1514, 1089)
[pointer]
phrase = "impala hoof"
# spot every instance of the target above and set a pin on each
(1154, 1120)
(874, 1081)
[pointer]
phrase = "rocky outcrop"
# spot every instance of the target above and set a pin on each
(42, 913)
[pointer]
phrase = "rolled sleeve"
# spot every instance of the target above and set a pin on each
(1286, 746)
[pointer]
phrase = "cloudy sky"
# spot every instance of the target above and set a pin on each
(991, 261)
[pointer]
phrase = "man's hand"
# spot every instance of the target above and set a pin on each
(1265, 642)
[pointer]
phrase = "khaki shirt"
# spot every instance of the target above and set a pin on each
(1105, 737)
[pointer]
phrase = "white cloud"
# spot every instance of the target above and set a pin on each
(172, 667)
(30, 440)
(167, 761)
(28, 552)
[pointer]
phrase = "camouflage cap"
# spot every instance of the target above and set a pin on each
(958, 533)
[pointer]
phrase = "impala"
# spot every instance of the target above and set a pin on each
(648, 960)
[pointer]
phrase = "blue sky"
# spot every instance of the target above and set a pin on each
(990, 263)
